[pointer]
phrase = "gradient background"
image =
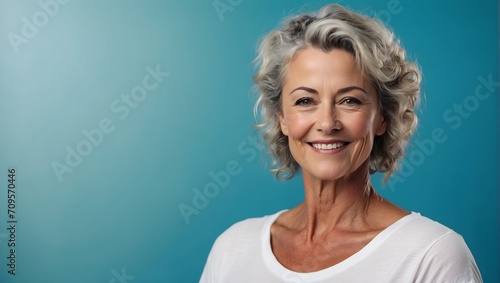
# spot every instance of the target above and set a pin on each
(118, 211)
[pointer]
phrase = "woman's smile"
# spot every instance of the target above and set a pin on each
(328, 147)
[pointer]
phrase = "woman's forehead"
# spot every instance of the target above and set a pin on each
(316, 68)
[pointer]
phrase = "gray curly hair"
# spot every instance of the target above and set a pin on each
(378, 55)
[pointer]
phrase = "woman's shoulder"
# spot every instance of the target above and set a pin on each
(416, 234)
(237, 247)
(422, 225)
(434, 252)
(446, 253)
(250, 229)
(439, 238)
(422, 230)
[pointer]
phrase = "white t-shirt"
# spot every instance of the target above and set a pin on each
(413, 249)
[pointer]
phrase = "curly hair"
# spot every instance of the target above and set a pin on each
(379, 57)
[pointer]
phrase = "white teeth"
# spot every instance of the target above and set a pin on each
(328, 146)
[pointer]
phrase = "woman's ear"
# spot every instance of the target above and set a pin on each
(382, 127)
(283, 125)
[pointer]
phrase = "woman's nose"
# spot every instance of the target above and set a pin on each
(327, 119)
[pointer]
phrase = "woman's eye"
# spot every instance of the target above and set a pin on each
(303, 101)
(351, 101)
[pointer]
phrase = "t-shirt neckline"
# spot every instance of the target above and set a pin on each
(283, 273)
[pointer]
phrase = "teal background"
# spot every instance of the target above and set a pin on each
(118, 212)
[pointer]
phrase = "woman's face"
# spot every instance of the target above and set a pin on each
(330, 113)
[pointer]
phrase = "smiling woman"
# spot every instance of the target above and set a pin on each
(337, 98)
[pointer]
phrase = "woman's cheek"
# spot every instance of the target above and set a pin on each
(359, 125)
(299, 124)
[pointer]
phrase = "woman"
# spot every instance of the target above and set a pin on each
(337, 98)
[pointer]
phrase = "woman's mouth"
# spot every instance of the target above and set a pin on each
(328, 146)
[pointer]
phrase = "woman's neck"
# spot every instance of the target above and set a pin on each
(335, 205)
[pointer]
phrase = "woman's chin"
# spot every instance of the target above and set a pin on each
(326, 174)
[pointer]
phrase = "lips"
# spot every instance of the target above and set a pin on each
(328, 146)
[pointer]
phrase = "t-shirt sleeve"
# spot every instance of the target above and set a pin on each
(223, 253)
(209, 271)
(231, 250)
(449, 260)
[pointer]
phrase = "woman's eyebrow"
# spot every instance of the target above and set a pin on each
(310, 90)
(349, 88)
(340, 91)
